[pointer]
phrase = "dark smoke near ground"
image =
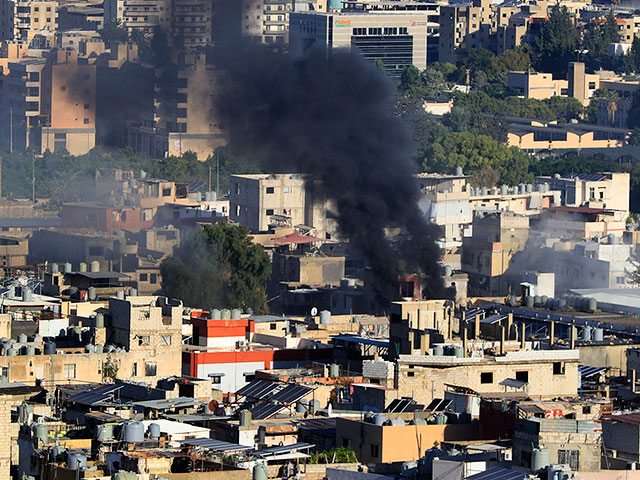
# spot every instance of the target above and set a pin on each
(333, 118)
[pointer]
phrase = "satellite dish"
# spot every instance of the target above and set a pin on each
(314, 311)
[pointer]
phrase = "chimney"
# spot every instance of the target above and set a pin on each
(552, 327)
(502, 331)
(523, 335)
(572, 342)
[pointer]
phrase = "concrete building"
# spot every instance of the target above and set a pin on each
(261, 201)
(464, 27)
(397, 38)
(621, 433)
(49, 104)
(23, 20)
(577, 443)
(487, 254)
(397, 443)
(601, 190)
(537, 85)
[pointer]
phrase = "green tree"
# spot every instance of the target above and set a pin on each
(508, 61)
(557, 43)
(113, 32)
(599, 35)
(218, 265)
(591, 112)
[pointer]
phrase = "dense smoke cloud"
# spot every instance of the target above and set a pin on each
(332, 116)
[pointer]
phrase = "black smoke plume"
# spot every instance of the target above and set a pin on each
(332, 117)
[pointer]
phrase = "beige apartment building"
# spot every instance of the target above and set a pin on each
(537, 85)
(464, 27)
(22, 20)
(608, 191)
(263, 201)
(267, 21)
(397, 38)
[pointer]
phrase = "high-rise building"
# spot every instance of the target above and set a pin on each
(24, 19)
(397, 38)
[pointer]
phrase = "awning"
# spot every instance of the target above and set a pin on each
(513, 383)
(297, 238)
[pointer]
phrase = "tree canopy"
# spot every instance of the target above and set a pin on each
(218, 266)
(557, 44)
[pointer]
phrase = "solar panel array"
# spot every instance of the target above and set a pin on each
(264, 411)
(258, 389)
(290, 394)
(284, 449)
(215, 445)
(403, 405)
(587, 372)
(439, 405)
(497, 473)
(95, 396)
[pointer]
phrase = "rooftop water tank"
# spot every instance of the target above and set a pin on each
(441, 419)
(82, 267)
(133, 432)
(260, 472)
(104, 433)
(28, 350)
(76, 460)
(334, 370)
(54, 268)
(99, 320)
(543, 300)
(586, 332)
(504, 190)
(99, 348)
(22, 338)
(12, 352)
(598, 334)
(133, 292)
(94, 266)
(484, 192)
(418, 421)
(55, 453)
(314, 406)
(154, 431)
(89, 348)
(225, 314)
(438, 350)
(25, 412)
(458, 168)
(396, 422)
(457, 351)
(27, 295)
(540, 458)
(245, 418)
(592, 305)
(215, 314)
(120, 294)
(528, 188)
(92, 294)
(50, 348)
(325, 317)
(68, 267)
(236, 314)
(301, 406)
(537, 300)
(379, 419)
(41, 431)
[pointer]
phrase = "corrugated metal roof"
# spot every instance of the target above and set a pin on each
(630, 418)
(361, 340)
(167, 403)
(588, 372)
(513, 383)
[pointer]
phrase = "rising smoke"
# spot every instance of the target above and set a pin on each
(332, 117)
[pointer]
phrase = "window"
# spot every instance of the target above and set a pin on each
(150, 369)
(271, 190)
(144, 277)
(375, 450)
(238, 210)
(558, 368)
(216, 379)
(486, 377)
(269, 211)
(620, 280)
(144, 341)
(134, 369)
(287, 189)
(86, 106)
(237, 189)
(592, 194)
(522, 376)
(272, 326)
(569, 457)
(69, 370)
(165, 340)
(153, 278)
(411, 374)
(592, 85)
(166, 192)
(86, 121)
(586, 410)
